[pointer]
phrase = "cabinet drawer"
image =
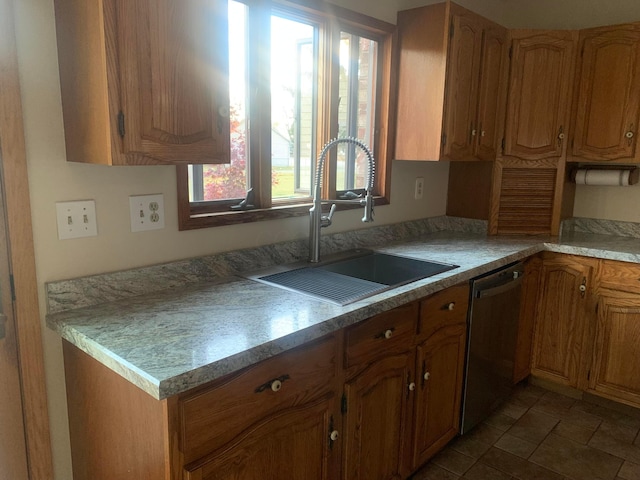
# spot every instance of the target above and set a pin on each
(385, 334)
(213, 416)
(448, 307)
(620, 276)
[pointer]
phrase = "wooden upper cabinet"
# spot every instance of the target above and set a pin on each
(539, 94)
(449, 85)
(461, 94)
(607, 107)
(144, 82)
(491, 89)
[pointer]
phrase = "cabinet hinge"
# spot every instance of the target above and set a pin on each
(13, 287)
(121, 124)
(589, 375)
(444, 139)
(343, 404)
(502, 145)
(597, 307)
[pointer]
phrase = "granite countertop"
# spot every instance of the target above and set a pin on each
(173, 339)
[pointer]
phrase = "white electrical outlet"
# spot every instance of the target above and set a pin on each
(76, 219)
(147, 212)
(419, 190)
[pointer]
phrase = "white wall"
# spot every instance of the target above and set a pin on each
(52, 179)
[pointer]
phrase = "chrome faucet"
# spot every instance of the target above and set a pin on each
(316, 218)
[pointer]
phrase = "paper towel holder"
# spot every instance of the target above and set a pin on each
(634, 172)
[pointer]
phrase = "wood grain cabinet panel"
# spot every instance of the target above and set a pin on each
(214, 416)
(295, 444)
(608, 95)
(526, 322)
(565, 284)
(144, 82)
(440, 376)
(616, 367)
(539, 94)
(450, 84)
(378, 405)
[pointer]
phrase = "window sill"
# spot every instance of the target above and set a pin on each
(187, 220)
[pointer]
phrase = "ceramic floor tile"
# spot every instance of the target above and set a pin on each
(581, 418)
(431, 471)
(528, 394)
(500, 421)
(554, 404)
(629, 471)
(615, 446)
(575, 460)
(453, 461)
(624, 433)
(577, 433)
(517, 467)
(513, 409)
(485, 433)
(480, 471)
(607, 414)
(470, 447)
(516, 446)
(540, 435)
(533, 426)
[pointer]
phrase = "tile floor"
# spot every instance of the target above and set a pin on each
(538, 434)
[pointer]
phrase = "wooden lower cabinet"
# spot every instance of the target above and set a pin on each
(589, 342)
(402, 408)
(440, 378)
(615, 371)
(294, 444)
(371, 402)
(563, 301)
(378, 403)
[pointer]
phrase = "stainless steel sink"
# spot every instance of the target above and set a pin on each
(352, 276)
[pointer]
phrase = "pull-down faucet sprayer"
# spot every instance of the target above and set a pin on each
(316, 218)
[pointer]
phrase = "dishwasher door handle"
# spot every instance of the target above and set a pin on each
(505, 287)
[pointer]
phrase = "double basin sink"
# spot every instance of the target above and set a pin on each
(350, 276)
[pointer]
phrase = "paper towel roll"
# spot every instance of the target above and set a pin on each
(614, 177)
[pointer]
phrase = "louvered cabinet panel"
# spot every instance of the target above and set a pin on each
(526, 200)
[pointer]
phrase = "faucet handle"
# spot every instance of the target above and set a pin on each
(325, 220)
(368, 207)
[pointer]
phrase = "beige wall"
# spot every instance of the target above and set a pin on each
(52, 179)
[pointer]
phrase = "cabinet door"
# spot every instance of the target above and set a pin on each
(461, 94)
(494, 41)
(173, 71)
(377, 403)
(440, 363)
(616, 371)
(608, 105)
(561, 315)
(538, 101)
(296, 444)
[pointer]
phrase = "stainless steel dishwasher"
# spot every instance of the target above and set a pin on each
(491, 342)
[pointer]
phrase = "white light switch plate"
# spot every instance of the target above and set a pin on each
(147, 212)
(76, 219)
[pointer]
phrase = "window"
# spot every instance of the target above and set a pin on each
(298, 77)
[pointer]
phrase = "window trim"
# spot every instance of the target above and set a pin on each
(202, 215)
